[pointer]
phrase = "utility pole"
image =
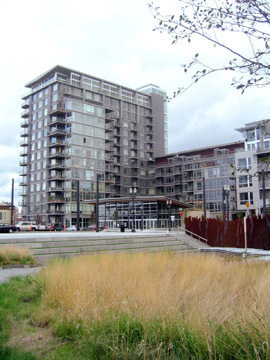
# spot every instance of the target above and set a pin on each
(12, 203)
(97, 204)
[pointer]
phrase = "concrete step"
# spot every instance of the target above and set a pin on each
(191, 241)
(46, 247)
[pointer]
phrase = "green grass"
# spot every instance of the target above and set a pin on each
(11, 255)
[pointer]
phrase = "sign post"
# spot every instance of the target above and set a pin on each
(245, 231)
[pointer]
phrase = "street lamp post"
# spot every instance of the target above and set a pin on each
(169, 204)
(133, 191)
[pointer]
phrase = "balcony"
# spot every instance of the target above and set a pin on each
(24, 181)
(24, 142)
(23, 162)
(109, 179)
(23, 193)
(57, 187)
(58, 109)
(25, 104)
(109, 127)
(24, 152)
(57, 154)
(56, 165)
(109, 148)
(108, 137)
(133, 154)
(57, 120)
(24, 133)
(24, 123)
(57, 143)
(108, 168)
(57, 132)
(59, 177)
(109, 157)
(55, 200)
(56, 212)
(23, 172)
(25, 113)
(22, 203)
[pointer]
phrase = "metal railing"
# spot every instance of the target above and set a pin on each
(180, 228)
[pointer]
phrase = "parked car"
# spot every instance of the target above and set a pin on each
(56, 227)
(7, 228)
(71, 228)
(27, 226)
(43, 227)
(93, 228)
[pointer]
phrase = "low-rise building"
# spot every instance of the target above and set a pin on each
(253, 167)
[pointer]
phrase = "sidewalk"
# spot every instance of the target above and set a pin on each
(5, 274)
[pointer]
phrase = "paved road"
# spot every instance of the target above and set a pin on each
(5, 274)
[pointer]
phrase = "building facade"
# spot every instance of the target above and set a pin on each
(180, 176)
(75, 126)
(253, 167)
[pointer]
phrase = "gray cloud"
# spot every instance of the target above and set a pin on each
(113, 40)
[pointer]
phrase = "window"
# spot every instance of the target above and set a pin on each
(55, 97)
(91, 84)
(244, 163)
(3, 215)
(244, 197)
(55, 87)
(127, 95)
(245, 180)
(89, 108)
(75, 79)
(250, 135)
(110, 90)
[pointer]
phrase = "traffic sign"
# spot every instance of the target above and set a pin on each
(181, 212)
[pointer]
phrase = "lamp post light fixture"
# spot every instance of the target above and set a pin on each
(133, 191)
(169, 204)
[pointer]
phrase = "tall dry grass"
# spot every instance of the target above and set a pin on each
(197, 288)
(12, 254)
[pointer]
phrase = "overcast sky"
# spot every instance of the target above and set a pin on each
(111, 39)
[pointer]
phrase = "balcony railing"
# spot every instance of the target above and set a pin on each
(24, 123)
(25, 113)
(24, 133)
(24, 142)
(25, 104)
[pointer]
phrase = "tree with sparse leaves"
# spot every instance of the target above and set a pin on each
(212, 21)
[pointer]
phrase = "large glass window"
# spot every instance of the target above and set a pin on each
(244, 197)
(250, 135)
(244, 163)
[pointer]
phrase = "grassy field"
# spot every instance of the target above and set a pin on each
(139, 306)
(10, 255)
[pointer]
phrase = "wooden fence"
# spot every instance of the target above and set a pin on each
(231, 233)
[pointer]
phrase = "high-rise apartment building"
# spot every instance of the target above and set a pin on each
(75, 126)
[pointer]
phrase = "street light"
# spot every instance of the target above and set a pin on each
(169, 204)
(133, 191)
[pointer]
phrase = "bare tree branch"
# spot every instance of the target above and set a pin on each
(210, 20)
